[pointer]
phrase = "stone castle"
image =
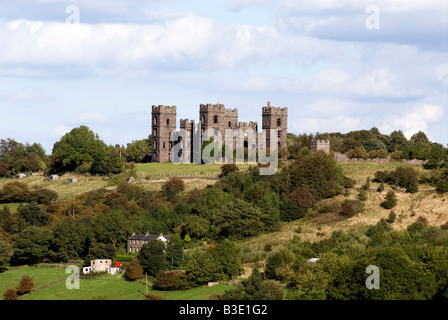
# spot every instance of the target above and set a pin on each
(215, 117)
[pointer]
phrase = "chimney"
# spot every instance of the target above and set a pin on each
(268, 104)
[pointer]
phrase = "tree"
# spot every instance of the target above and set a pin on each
(302, 198)
(171, 280)
(133, 270)
(238, 219)
(34, 215)
(112, 227)
(195, 226)
(71, 239)
(289, 211)
(79, 150)
(10, 294)
(202, 268)
(138, 150)
(175, 251)
(5, 255)
(30, 246)
(113, 162)
(390, 200)
(100, 250)
(254, 288)
(152, 257)
(173, 186)
(32, 162)
(15, 191)
(26, 285)
(229, 256)
(319, 173)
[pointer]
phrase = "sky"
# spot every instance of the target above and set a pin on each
(338, 65)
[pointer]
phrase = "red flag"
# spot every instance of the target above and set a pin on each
(118, 264)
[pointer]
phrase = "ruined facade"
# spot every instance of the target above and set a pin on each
(211, 116)
(320, 144)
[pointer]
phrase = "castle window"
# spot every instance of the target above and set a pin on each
(215, 119)
(167, 122)
(155, 131)
(279, 134)
(230, 124)
(279, 122)
(155, 120)
(164, 145)
(204, 119)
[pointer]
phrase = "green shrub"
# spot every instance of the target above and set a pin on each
(390, 200)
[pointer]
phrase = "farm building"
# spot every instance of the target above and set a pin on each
(136, 241)
(72, 180)
(101, 265)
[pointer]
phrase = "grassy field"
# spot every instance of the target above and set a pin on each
(197, 176)
(91, 289)
(188, 170)
(314, 227)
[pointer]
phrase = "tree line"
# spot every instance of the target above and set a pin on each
(371, 143)
(80, 150)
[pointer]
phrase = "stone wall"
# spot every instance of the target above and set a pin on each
(340, 157)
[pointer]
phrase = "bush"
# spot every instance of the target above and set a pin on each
(392, 217)
(26, 285)
(171, 280)
(362, 194)
(153, 296)
(349, 208)
(390, 200)
(396, 155)
(348, 182)
(133, 270)
(302, 198)
(10, 294)
(227, 168)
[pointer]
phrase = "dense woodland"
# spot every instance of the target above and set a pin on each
(413, 262)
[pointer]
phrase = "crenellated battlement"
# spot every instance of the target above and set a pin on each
(217, 107)
(162, 108)
(247, 125)
(186, 122)
(268, 109)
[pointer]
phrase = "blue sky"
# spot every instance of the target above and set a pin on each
(316, 57)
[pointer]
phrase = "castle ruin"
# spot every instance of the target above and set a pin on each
(211, 116)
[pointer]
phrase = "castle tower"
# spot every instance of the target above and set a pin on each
(275, 118)
(163, 123)
(217, 117)
(320, 144)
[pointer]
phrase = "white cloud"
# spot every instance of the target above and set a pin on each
(60, 130)
(326, 124)
(88, 117)
(411, 121)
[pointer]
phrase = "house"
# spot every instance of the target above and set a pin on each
(54, 177)
(72, 180)
(101, 265)
(20, 176)
(136, 241)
